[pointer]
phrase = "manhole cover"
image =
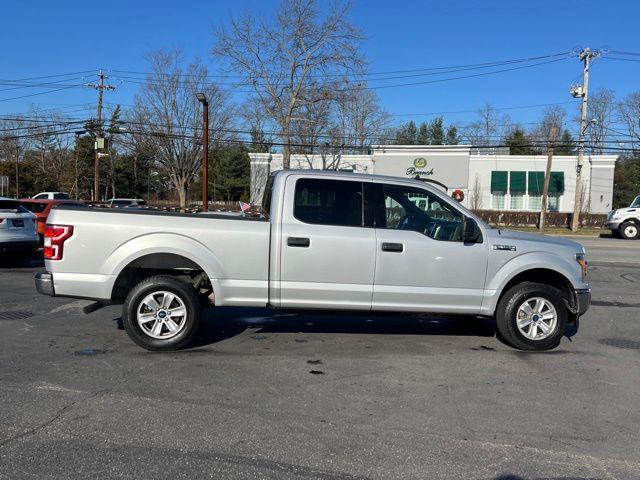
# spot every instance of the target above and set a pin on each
(17, 315)
(621, 343)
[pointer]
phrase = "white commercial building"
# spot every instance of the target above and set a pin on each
(488, 181)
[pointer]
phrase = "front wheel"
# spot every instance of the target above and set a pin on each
(629, 231)
(161, 313)
(532, 316)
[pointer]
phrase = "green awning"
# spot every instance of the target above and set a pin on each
(556, 183)
(518, 182)
(499, 181)
(536, 183)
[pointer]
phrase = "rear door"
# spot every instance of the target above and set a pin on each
(327, 254)
(422, 264)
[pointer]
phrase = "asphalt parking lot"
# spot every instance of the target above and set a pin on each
(267, 394)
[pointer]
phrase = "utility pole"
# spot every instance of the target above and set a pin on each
(17, 176)
(100, 86)
(585, 56)
(547, 174)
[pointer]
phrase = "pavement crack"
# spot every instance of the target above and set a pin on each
(42, 426)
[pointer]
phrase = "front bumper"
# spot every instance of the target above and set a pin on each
(612, 224)
(583, 301)
(44, 284)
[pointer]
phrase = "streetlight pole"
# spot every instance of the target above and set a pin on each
(205, 148)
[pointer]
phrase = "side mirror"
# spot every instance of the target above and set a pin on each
(471, 232)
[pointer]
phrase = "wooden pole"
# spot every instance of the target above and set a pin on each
(547, 174)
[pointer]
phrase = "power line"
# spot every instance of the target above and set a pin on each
(333, 88)
(476, 110)
(40, 93)
(388, 72)
(47, 76)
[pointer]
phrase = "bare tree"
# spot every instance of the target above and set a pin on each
(359, 120)
(629, 111)
(600, 115)
(553, 117)
(488, 128)
(475, 195)
(257, 120)
(167, 120)
(287, 59)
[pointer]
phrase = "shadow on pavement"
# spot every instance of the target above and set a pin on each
(12, 260)
(222, 323)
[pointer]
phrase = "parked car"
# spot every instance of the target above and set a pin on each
(327, 240)
(41, 209)
(18, 236)
(126, 202)
(625, 222)
(51, 196)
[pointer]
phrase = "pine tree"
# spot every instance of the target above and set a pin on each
(424, 134)
(436, 129)
(452, 137)
(518, 143)
(407, 134)
(566, 145)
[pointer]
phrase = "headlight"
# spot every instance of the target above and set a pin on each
(581, 258)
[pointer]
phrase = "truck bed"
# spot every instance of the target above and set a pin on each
(232, 250)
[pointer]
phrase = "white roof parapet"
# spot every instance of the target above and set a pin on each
(419, 149)
(259, 156)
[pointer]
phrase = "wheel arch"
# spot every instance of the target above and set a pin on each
(545, 276)
(549, 270)
(161, 254)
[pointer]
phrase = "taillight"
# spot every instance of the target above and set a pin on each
(54, 237)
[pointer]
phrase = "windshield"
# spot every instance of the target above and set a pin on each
(636, 202)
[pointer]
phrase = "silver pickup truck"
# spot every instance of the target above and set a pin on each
(326, 240)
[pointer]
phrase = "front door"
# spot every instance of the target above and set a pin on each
(422, 264)
(327, 255)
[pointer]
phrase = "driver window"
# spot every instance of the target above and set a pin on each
(409, 208)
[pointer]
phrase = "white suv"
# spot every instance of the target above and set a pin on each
(51, 196)
(18, 235)
(625, 222)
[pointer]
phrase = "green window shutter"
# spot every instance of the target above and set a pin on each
(556, 183)
(518, 182)
(536, 183)
(498, 181)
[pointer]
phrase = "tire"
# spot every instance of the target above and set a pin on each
(522, 327)
(161, 313)
(629, 231)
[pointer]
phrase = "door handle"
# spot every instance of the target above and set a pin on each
(298, 242)
(392, 247)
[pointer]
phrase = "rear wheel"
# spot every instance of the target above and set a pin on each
(161, 313)
(629, 231)
(532, 316)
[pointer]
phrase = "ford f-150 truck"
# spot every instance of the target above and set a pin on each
(326, 240)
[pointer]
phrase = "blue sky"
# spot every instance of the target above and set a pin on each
(45, 38)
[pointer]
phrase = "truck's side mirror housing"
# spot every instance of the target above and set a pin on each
(471, 232)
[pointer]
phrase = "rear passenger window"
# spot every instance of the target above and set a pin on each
(328, 202)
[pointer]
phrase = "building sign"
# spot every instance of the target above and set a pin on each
(450, 167)
(419, 168)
